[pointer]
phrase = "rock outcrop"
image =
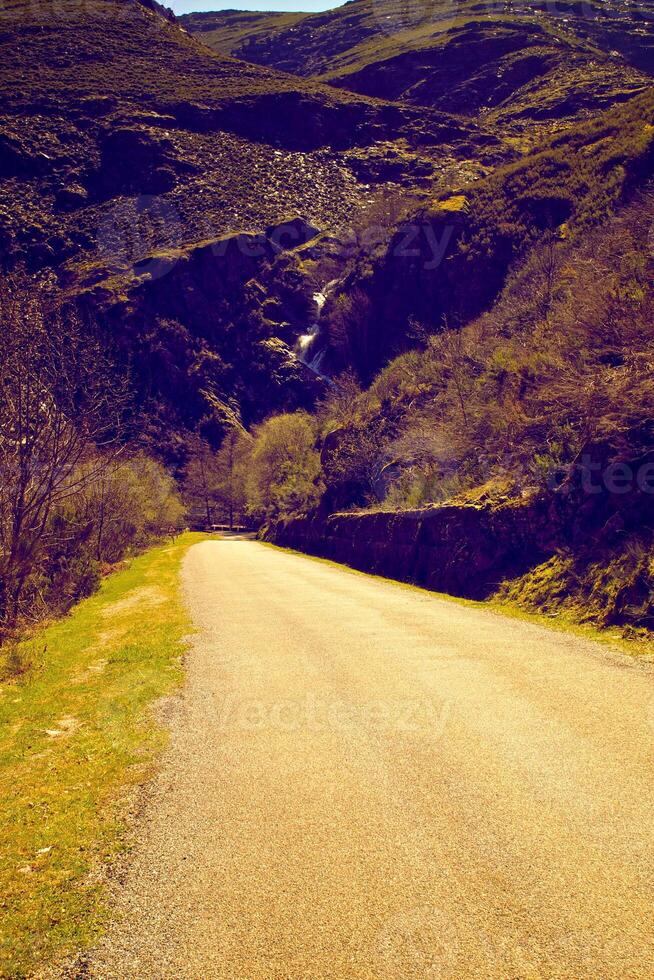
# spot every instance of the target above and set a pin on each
(194, 324)
(584, 546)
(464, 551)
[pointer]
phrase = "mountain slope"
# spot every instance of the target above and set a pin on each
(519, 63)
(132, 158)
(109, 99)
(513, 455)
(463, 244)
(225, 31)
(145, 178)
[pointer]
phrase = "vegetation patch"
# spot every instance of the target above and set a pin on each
(529, 429)
(77, 736)
(614, 587)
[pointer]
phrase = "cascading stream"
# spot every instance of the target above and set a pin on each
(308, 349)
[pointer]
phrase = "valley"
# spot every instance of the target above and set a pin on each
(187, 187)
(373, 286)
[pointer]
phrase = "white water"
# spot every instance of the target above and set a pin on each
(306, 341)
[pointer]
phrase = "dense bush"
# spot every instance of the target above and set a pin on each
(273, 471)
(284, 467)
(118, 507)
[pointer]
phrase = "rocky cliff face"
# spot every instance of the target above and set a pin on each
(208, 330)
(464, 551)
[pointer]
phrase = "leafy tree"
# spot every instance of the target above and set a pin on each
(231, 465)
(113, 512)
(73, 496)
(284, 467)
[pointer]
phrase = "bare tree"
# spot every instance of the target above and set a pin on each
(451, 345)
(61, 414)
(201, 480)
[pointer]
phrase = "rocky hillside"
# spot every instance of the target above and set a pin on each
(226, 31)
(512, 65)
(130, 154)
(107, 100)
(513, 457)
(448, 260)
(191, 203)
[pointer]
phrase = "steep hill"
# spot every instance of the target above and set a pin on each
(191, 203)
(448, 261)
(108, 99)
(355, 185)
(132, 159)
(225, 31)
(512, 63)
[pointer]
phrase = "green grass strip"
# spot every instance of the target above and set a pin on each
(77, 735)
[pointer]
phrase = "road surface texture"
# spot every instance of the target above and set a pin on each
(365, 780)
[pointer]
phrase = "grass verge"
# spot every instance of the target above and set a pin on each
(76, 736)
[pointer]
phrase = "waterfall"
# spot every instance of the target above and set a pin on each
(305, 349)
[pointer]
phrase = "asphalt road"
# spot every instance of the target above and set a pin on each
(365, 780)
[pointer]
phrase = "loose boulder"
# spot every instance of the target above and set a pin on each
(291, 233)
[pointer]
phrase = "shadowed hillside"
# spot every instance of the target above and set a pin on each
(447, 261)
(130, 152)
(513, 64)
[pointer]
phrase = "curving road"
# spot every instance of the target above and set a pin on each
(365, 780)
